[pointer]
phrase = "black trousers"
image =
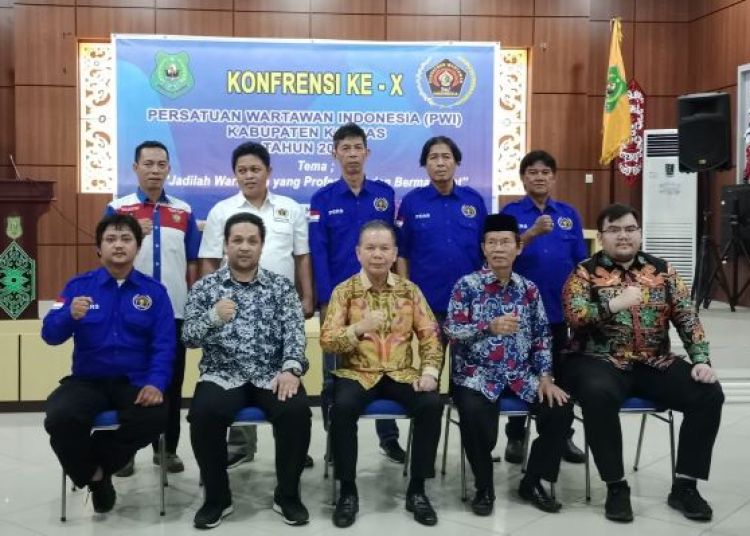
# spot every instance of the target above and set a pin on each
(71, 409)
(174, 396)
(479, 423)
(350, 400)
(600, 388)
(213, 410)
(514, 429)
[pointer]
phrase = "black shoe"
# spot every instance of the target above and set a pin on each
(419, 505)
(127, 470)
(538, 496)
(309, 463)
(103, 495)
(210, 515)
(685, 498)
(571, 453)
(292, 510)
(497, 459)
(514, 451)
(173, 463)
(483, 502)
(346, 511)
(617, 507)
(393, 451)
(237, 458)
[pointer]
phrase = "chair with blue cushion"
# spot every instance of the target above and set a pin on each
(378, 409)
(643, 407)
(107, 420)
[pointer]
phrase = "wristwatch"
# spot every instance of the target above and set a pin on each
(295, 370)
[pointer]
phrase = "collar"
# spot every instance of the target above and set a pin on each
(143, 198)
(528, 204)
(225, 276)
(488, 277)
(342, 187)
(367, 284)
(607, 262)
(241, 201)
(103, 276)
(433, 192)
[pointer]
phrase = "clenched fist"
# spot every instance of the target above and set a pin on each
(80, 306)
(372, 321)
(630, 297)
(504, 325)
(226, 309)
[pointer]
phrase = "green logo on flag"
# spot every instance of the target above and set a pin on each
(616, 88)
(172, 77)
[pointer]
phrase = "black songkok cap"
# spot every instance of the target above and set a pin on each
(500, 222)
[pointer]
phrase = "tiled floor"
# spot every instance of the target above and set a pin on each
(30, 484)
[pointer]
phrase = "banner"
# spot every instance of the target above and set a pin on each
(202, 97)
(616, 120)
(630, 159)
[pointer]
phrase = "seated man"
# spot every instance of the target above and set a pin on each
(124, 347)
(502, 342)
(370, 323)
(250, 325)
(619, 304)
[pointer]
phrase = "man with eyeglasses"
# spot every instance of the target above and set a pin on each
(619, 305)
(553, 244)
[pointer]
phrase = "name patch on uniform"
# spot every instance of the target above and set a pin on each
(335, 211)
(142, 302)
(421, 216)
(470, 211)
(380, 204)
(565, 223)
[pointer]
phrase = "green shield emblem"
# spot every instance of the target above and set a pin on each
(172, 77)
(616, 87)
(13, 227)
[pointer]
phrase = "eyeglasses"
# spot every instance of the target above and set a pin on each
(546, 173)
(500, 244)
(614, 231)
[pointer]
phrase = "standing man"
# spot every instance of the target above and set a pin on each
(440, 228)
(170, 255)
(123, 332)
(553, 244)
(250, 325)
(502, 342)
(619, 304)
(286, 251)
(337, 213)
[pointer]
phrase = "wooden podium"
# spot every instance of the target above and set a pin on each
(22, 202)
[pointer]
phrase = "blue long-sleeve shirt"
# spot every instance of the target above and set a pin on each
(129, 329)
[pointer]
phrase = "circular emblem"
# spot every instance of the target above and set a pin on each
(380, 204)
(446, 83)
(142, 302)
(176, 218)
(469, 211)
(565, 223)
(282, 212)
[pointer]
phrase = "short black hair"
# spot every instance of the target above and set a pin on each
(150, 144)
(538, 156)
(377, 225)
(349, 130)
(615, 212)
(436, 140)
(118, 221)
(244, 217)
(253, 148)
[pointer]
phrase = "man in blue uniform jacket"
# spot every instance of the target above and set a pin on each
(123, 332)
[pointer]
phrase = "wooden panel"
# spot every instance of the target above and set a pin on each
(597, 197)
(744, 48)
(628, 194)
(510, 32)
(661, 112)
(7, 124)
(55, 266)
(220, 5)
(87, 258)
(54, 228)
(94, 22)
(116, 3)
(507, 8)
(562, 8)
(42, 366)
(356, 27)
(415, 28)
(560, 55)
(6, 3)
(594, 111)
(185, 22)
(570, 186)
(90, 211)
(424, 7)
(7, 59)
(599, 37)
(662, 10)
(47, 2)
(272, 5)
(662, 65)
(46, 126)
(557, 126)
(289, 25)
(6, 171)
(699, 8)
(9, 364)
(715, 44)
(607, 9)
(347, 6)
(45, 45)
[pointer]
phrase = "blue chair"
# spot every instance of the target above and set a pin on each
(377, 409)
(507, 406)
(107, 420)
(644, 407)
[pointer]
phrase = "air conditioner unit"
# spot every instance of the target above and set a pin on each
(670, 200)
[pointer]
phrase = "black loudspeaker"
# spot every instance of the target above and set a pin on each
(704, 132)
(735, 206)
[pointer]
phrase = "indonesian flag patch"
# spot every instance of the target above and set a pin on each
(59, 303)
(314, 216)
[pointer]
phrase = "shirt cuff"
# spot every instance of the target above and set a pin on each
(431, 371)
(290, 364)
(352, 335)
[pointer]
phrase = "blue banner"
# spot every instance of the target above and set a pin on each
(203, 97)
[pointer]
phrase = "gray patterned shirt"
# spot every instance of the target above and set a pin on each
(266, 336)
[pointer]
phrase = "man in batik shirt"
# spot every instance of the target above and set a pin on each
(619, 305)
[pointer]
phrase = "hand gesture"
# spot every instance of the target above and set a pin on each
(504, 325)
(551, 393)
(425, 384)
(226, 309)
(372, 321)
(630, 297)
(79, 307)
(703, 373)
(543, 225)
(147, 226)
(149, 396)
(285, 385)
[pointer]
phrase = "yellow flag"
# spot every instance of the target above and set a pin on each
(616, 123)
